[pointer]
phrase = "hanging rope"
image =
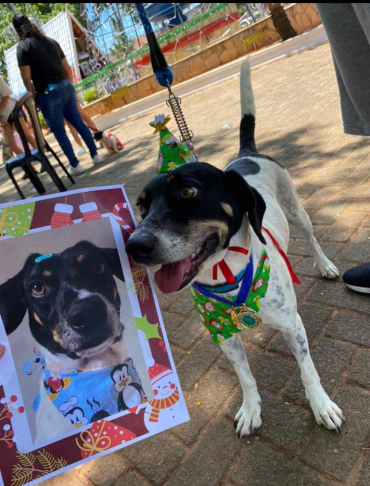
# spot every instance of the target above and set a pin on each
(164, 77)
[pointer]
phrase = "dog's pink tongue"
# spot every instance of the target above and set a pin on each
(169, 278)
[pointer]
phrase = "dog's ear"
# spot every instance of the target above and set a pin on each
(249, 200)
(13, 305)
(114, 261)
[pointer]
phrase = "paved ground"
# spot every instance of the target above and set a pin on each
(299, 123)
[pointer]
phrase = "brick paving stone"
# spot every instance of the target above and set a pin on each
(329, 213)
(260, 337)
(70, 478)
(299, 247)
(360, 371)
(330, 359)
(197, 362)
(338, 233)
(319, 197)
(177, 353)
(105, 470)
(172, 321)
(259, 465)
(364, 479)
(336, 294)
(358, 250)
(301, 291)
(336, 454)
(156, 458)
(350, 327)
(188, 332)
(318, 231)
(184, 305)
(270, 372)
(204, 402)
(214, 453)
(313, 317)
(129, 479)
(308, 268)
(283, 424)
(351, 219)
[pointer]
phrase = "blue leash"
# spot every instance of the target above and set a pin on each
(162, 71)
(164, 77)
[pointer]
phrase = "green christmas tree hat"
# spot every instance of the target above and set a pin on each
(172, 153)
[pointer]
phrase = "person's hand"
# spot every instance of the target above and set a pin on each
(2, 350)
(3, 120)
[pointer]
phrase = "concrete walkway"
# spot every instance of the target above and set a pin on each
(299, 123)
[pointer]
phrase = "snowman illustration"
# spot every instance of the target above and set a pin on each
(166, 409)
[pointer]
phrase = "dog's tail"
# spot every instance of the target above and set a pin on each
(247, 124)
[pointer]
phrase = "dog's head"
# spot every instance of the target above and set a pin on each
(189, 215)
(71, 297)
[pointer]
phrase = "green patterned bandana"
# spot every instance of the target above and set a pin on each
(223, 320)
(172, 153)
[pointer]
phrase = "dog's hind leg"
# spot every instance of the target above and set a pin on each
(248, 417)
(326, 412)
(297, 216)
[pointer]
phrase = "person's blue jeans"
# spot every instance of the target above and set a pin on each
(57, 102)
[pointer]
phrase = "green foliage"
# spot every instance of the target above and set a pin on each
(91, 95)
(43, 11)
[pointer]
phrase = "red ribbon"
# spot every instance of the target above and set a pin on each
(228, 274)
(224, 267)
(286, 259)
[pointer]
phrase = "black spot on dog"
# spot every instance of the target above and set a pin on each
(245, 167)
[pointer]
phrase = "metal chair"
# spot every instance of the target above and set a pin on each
(26, 159)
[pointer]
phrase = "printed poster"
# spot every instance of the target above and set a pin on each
(85, 364)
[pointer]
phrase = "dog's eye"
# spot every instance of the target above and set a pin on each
(188, 192)
(38, 289)
(100, 268)
(141, 210)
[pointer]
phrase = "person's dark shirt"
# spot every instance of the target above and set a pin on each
(44, 56)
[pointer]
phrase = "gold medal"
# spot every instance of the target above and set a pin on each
(245, 318)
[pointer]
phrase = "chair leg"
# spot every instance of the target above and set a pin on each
(35, 181)
(12, 178)
(61, 164)
(50, 170)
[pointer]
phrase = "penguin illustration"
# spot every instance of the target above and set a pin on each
(129, 393)
(73, 413)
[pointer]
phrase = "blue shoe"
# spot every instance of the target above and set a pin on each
(358, 278)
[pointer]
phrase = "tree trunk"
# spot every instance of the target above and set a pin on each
(280, 20)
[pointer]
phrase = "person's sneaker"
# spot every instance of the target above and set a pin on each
(75, 171)
(358, 278)
(96, 160)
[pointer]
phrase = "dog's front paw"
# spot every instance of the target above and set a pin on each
(327, 268)
(327, 413)
(248, 418)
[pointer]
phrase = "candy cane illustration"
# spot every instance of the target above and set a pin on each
(116, 210)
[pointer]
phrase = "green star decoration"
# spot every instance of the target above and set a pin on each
(150, 330)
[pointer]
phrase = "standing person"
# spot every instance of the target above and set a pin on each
(348, 29)
(45, 70)
(7, 105)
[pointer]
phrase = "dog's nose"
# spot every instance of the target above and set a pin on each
(87, 314)
(141, 246)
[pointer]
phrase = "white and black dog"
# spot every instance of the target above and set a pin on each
(190, 218)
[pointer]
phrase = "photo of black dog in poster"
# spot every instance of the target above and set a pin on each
(66, 311)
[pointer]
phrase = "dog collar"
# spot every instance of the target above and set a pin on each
(225, 317)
